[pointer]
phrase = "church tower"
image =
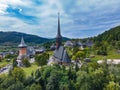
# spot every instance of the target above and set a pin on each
(58, 37)
(22, 48)
(60, 55)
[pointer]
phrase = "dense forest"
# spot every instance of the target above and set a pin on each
(11, 38)
(90, 76)
(110, 38)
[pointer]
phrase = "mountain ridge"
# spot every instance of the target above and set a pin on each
(110, 35)
(13, 37)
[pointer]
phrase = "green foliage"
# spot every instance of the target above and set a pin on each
(37, 74)
(6, 38)
(14, 62)
(7, 82)
(18, 74)
(29, 70)
(26, 62)
(53, 81)
(41, 59)
(29, 80)
(17, 86)
(75, 50)
(36, 87)
(10, 56)
(112, 37)
(102, 50)
(112, 86)
(91, 76)
(79, 55)
(117, 44)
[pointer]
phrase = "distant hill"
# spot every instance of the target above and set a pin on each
(109, 36)
(11, 38)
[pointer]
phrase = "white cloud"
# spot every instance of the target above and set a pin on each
(75, 15)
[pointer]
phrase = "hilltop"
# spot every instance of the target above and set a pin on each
(13, 38)
(9, 38)
(109, 36)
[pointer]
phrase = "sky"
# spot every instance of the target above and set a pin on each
(78, 18)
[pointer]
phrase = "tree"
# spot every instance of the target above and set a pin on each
(112, 86)
(98, 78)
(17, 86)
(26, 62)
(75, 50)
(37, 74)
(76, 67)
(36, 87)
(118, 45)
(7, 82)
(29, 81)
(14, 62)
(42, 59)
(53, 81)
(80, 55)
(18, 74)
(83, 81)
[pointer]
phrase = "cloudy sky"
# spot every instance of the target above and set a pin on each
(79, 18)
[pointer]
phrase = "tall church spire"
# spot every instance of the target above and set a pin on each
(59, 37)
(58, 33)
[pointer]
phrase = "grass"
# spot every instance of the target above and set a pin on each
(30, 69)
(50, 53)
(98, 57)
(111, 55)
(3, 75)
(4, 63)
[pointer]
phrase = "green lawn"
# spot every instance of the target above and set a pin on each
(29, 70)
(4, 63)
(111, 55)
(98, 57)
(50, 53)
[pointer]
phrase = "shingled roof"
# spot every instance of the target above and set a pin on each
(61, 55)
(22, 44)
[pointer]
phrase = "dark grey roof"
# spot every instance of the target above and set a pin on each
(30, 51)
(89, 43)
(61, 55)
(68, 43)
(77, 43)
(66, 58)
(22, 44)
